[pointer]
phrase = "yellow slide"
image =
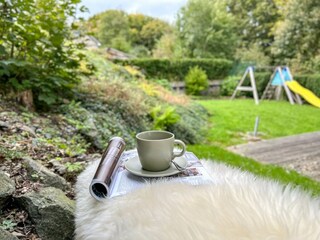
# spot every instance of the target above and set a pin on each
(309, 96)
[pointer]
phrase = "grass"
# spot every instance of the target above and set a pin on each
(269, 171)
(231, 120)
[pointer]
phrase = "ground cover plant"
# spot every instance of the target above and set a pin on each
(121, 101)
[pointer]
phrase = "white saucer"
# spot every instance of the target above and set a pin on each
(133, 165)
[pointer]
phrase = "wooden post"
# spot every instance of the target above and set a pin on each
(288, 92)
(278, 92)
(239, 84)
(298, 98)
(254, 88)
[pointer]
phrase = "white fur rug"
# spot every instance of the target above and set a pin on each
(239, 206)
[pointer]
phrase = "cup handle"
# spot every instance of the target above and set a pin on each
(183, 146)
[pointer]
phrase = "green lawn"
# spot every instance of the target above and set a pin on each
(270, 171)
(230, 120)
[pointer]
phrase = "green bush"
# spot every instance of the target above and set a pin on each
(98, 122)
(121, 44)
(262, 80)
(176, 69)
(36, 49)
(140, 51)
(229, 85)
(196, 81)
(162, 82)
(163, 118)
(192, 126)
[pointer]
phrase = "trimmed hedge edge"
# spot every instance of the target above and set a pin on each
(177, 69)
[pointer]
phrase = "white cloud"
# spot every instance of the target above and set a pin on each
(164, 9)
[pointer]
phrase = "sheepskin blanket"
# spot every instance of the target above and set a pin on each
(237, 206)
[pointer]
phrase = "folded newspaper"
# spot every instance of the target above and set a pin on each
(123, 182)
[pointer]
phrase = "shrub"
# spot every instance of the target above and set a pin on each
(121, 44)
(262, 80)
(162, 82)
(196, 81)
(192, 125)
(229, 85)
(163, 118)
(36, 49)
(176, 69)
(140, 51)
(98, 121)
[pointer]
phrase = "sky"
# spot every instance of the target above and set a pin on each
(164, 9)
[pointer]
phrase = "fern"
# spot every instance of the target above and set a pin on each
(162, 119)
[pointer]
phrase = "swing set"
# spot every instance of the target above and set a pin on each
(281, 79)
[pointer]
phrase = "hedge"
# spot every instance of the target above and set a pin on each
(311, 82)
(177, 69)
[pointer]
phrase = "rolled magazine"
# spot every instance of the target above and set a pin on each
(99, 187)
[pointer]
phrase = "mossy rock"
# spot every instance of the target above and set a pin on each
(4, 235)
(51, 211)
(7, 188)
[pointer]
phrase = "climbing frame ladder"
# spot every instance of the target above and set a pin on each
(292, 97)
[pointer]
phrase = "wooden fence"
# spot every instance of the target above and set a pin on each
(214, 87)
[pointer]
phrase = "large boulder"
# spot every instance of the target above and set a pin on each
(47, 177)
(7, 188)
(4, 235)
(51, 211)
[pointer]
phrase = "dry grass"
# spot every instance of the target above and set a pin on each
(116, 90)
(164, 94)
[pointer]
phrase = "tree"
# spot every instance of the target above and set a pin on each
(37, 52)
(255, 20)
(253, 55)
(297, 36)
(168, 46)
(207, 29)
(91, 26)
(113, 24)
(136, 22)
(153, 31)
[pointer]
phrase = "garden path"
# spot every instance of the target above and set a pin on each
(300, 152)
